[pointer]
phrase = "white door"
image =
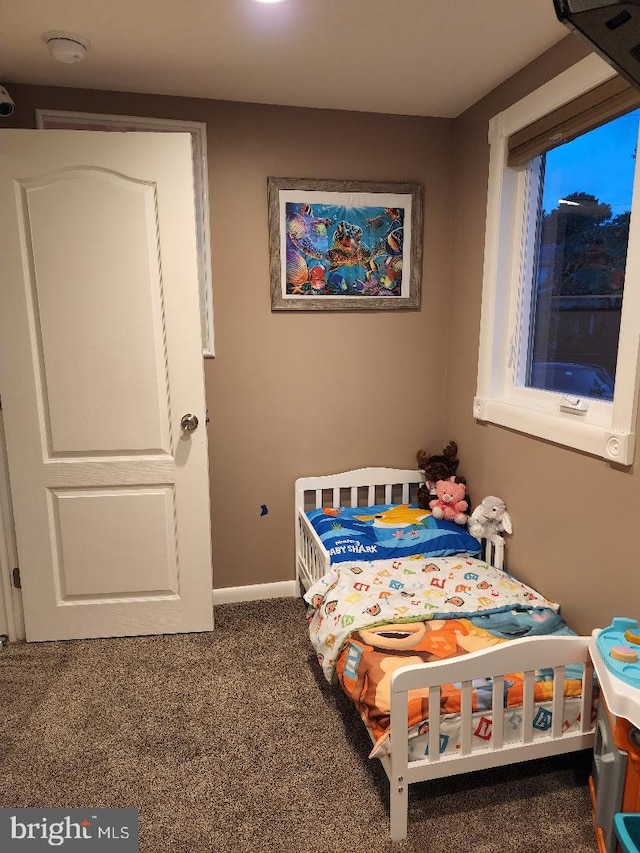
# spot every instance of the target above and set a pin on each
(100, 359)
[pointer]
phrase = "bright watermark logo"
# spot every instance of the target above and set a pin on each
(27, 830)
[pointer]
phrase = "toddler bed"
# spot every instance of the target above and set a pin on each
(406, 613)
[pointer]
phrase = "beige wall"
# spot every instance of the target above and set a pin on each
(307, 393)
(296, 393)
(574, 515)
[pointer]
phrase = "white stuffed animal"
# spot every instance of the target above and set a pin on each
(490, 519)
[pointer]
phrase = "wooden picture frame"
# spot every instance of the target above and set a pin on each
(63, 120)
(344, 245)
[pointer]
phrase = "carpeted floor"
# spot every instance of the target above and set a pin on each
(232, 742)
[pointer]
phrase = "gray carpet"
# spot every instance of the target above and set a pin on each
(232, 741)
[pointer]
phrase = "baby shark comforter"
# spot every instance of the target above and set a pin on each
(368, 618)
(386, 531)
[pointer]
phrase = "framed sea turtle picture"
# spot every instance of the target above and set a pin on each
(344, 245)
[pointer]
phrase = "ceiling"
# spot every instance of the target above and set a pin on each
(412, 57)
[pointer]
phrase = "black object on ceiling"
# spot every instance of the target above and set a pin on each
(611, 27)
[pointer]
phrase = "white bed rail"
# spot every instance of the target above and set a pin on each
(526, 655)
(312, 559)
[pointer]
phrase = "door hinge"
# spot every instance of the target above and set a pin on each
(16, 578)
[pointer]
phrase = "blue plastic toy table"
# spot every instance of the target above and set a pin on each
(622, 634)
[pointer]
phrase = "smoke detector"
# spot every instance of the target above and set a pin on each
(66, 47)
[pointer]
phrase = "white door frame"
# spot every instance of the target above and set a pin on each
(11, 615)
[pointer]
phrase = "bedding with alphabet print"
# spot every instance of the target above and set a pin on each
(367, 618)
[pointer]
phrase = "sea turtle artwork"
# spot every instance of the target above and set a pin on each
(338, 251)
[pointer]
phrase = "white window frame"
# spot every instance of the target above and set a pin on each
(605, 429)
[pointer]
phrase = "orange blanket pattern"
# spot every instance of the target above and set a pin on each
(368, 660)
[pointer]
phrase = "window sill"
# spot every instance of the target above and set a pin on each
(562, 428)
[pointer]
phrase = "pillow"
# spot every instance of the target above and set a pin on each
(388, 531)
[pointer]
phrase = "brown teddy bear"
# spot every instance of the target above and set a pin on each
(437, 467)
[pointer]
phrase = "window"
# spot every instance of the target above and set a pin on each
(560, 323)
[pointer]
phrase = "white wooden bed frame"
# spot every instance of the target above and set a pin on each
(370, 486)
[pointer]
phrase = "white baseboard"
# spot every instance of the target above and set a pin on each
(255, 592)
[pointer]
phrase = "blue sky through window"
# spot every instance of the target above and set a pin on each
(600, 163)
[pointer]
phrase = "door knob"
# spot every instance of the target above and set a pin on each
(188, 423)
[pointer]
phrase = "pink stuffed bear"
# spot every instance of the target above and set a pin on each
(450, 503)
